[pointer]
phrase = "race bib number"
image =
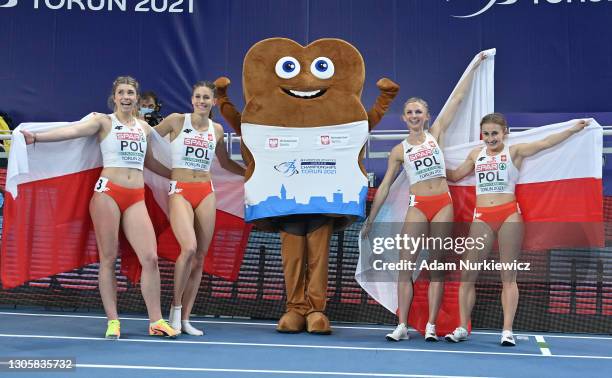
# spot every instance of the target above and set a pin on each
(412, 201)
(172, 188)
(100, 186)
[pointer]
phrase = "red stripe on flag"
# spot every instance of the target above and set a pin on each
(225, 253)
(557, 214)
(448, 315)
(47, 229)
(574, 200)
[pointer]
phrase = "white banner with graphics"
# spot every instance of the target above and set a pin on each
(311, 170)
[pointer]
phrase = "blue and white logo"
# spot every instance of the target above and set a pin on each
(288, 168)
(9, 4)
(487, 7)
(490, 3)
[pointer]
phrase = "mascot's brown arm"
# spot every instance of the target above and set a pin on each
(388, 91)
(227, 109)
(233, 118)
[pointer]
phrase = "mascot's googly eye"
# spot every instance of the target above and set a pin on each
(287, 67)
(322, 67)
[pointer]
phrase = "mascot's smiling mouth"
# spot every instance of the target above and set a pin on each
(306, 95)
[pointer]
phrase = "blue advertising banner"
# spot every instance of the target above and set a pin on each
(59, 57)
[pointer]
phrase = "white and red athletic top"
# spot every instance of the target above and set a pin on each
(424, 161)
(495, 174)
(124, 147)
(193, 149)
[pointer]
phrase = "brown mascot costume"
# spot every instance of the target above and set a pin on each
(303, 129)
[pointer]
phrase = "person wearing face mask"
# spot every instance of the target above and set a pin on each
(149, 108)
(430, 212)
(118, 198)
(194, 140)
(497, 213)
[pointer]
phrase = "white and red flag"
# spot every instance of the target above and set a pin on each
(47, 227)
(559, 192)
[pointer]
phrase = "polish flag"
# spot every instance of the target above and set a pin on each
(560, 196)
(559, 192)
(47, 227)
(382, 285)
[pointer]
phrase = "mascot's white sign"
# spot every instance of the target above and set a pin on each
(157, 6)
(305, 170)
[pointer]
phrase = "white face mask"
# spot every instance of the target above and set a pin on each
(144, 111)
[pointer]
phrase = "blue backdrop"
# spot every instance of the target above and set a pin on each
(58, 60)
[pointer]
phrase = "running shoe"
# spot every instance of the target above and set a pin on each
(113, 330)
(163, 329)
(400, 333)
(430, 332)
(459, 334)
(507, 338)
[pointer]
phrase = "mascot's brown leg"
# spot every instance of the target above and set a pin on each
(293, 251)
(316, 278)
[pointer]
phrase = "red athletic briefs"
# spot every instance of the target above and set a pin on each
(193, 192)
(495, 216)
(430, 205)
(123, 197)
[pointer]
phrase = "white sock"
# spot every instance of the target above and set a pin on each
(189, 329)
(175, 318)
